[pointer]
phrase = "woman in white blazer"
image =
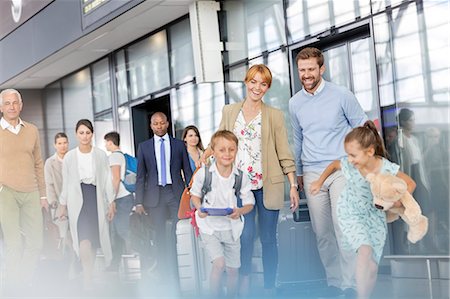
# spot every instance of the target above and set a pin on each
(86, 198)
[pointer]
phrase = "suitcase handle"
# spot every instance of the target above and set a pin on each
(296, 216)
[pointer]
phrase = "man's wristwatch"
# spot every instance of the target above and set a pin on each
(294, 186)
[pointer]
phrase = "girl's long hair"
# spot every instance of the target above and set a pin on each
(367, 136)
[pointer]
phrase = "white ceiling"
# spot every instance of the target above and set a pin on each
(142, 19)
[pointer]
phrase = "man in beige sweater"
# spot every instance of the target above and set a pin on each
(22, 193)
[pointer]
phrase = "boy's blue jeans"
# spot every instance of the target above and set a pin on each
(267, 227)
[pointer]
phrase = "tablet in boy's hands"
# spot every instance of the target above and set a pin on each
(217, 211)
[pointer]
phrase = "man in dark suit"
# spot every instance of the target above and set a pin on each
(160, 184)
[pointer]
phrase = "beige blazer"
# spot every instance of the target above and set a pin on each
(72, 197)
(53, 178)
(277, 159)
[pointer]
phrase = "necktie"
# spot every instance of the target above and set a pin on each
(163, 163)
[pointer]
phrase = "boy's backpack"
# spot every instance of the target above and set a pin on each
(129, 180)
(185, 209)
(237, 185)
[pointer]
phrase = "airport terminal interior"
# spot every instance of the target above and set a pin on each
(116, 62)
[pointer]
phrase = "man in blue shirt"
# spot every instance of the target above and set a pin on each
(322, 113)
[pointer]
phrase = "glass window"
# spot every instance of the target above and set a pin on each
(363, 75)
(384, 62)
(77, 101)
(148, 65)
(103, 124)
(126, 142)
(101, 85)
(437, 42)
(407, 55)
(312, 17)
(53, 107)
(263, 24)
(337, 68)
(417, 127)
(181, 57)
(200, 105)
(121, 77)
(318, 15)
(296, 19)
(344, 12)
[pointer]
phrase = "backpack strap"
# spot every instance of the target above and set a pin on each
(206, 182)
(125, 158)
(237, 187)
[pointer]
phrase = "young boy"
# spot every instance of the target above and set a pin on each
(220, 234)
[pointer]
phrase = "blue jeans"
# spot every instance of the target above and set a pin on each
(120, 227)
(267, 226)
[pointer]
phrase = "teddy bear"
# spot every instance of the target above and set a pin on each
(386, 190)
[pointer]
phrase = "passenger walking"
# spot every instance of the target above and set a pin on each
(86, 198)
(363, 226)
(194, 145)
(22, 193)
(221, 234)
(159, 185)
(322, 113)
(53, 182)
(123, 204)
(265, 158)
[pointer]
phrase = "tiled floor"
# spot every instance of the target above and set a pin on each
(127, 283)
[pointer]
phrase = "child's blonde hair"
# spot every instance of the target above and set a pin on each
(367, 136)
(228, 135)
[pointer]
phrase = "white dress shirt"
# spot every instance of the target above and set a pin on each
(157, 141)
(11, 128)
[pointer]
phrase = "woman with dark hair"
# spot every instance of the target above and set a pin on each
(194, 145)
(86, 197)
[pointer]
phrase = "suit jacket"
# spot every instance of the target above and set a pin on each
(53, 178)
(277, 159)
(147, 189)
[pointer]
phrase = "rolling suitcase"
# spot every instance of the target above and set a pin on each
(194, 266)
(298, 256)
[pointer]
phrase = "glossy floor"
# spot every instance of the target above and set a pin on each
(52, 282)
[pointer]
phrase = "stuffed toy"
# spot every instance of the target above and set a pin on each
(386, 190)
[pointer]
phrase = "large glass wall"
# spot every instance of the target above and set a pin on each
(101, 85)
(414, 95)
(401, 64)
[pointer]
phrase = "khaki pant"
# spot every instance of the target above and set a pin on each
(22, 226)
(339, 264)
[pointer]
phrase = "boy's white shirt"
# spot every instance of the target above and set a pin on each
(221, 196)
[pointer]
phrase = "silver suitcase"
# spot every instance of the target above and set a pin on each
(298, 256)
(194, 266)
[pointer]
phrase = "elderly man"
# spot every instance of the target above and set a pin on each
(22, 192)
